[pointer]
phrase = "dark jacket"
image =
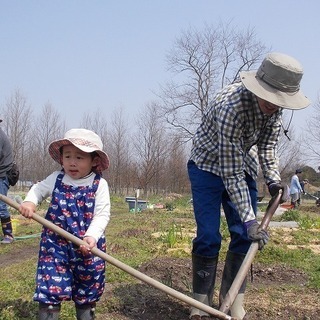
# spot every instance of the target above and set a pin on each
(6, 154)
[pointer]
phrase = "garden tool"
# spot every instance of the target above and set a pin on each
(312, 196)
(247, 261)
(232, 265)
(135, 273)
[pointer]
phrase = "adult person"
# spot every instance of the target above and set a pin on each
(303, 184)
(295, 188)
(6, 162)
(239, 130)
(80, 204)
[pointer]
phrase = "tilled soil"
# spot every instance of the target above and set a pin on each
(275, 292)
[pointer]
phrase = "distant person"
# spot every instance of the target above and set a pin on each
(295, 188)
(80, 204)
(6, 162)
(239, 130)
(303, 183)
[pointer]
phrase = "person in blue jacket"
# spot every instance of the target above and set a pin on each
(295, 188)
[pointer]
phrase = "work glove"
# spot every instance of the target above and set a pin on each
(275, 187)
(255, 233)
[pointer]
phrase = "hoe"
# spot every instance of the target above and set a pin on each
(229, 299)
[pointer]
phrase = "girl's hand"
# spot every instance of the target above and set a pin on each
(86, 249)
(27, 209)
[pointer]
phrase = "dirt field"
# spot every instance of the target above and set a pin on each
(273, 293)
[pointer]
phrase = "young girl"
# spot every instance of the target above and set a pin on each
(80, 204)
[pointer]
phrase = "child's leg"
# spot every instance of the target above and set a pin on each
(85, 311)
(49, 311)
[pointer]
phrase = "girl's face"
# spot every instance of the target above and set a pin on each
(267, 107)
(76, 163)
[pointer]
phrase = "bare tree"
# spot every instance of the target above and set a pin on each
(288, 151)
(48, 126)
(119, 152)
(17, 124)
(176, 177)
(311, 137)
(289, 147)
(150, 146)
(203, 61)
(96, 122)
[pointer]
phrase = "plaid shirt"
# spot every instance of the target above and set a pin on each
(233, 138)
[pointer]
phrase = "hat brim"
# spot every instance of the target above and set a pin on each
(287, 100)
(54, 151)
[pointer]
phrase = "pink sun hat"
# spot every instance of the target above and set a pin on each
(86, 141)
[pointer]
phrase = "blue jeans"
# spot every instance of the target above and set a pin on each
(208, 194)
(4, 187)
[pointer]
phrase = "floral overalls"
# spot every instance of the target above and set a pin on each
(63, 272)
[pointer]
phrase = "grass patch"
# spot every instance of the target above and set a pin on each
(290, 215)
(136, 239)
(303, 259)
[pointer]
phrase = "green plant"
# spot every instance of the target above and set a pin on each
(169, 206)
(306, 222)
(168, 278)
(224, 228)
(290, 215)
(131, 239)
(301, 237)
(317, 223)
(172, 236)
(187, 283)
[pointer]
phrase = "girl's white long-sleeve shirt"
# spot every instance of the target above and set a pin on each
(43, 189)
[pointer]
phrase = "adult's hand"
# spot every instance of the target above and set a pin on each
(275, 187)
(255, 233)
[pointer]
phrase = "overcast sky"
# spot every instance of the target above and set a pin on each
(84, 55)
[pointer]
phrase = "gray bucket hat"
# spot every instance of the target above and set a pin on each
(277, 81)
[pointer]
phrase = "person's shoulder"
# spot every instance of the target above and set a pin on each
(55, 173)
(233, 88)
(227, 93)
(103, 184)
(52, 176)
(103, 181)
(237, 92)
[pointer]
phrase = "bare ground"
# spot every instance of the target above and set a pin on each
(268, 295)
(276, 292)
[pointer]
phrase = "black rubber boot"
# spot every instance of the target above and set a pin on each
(7, 227)
(49, 311)
(232, 265)
(85, 311)
(203, 280)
